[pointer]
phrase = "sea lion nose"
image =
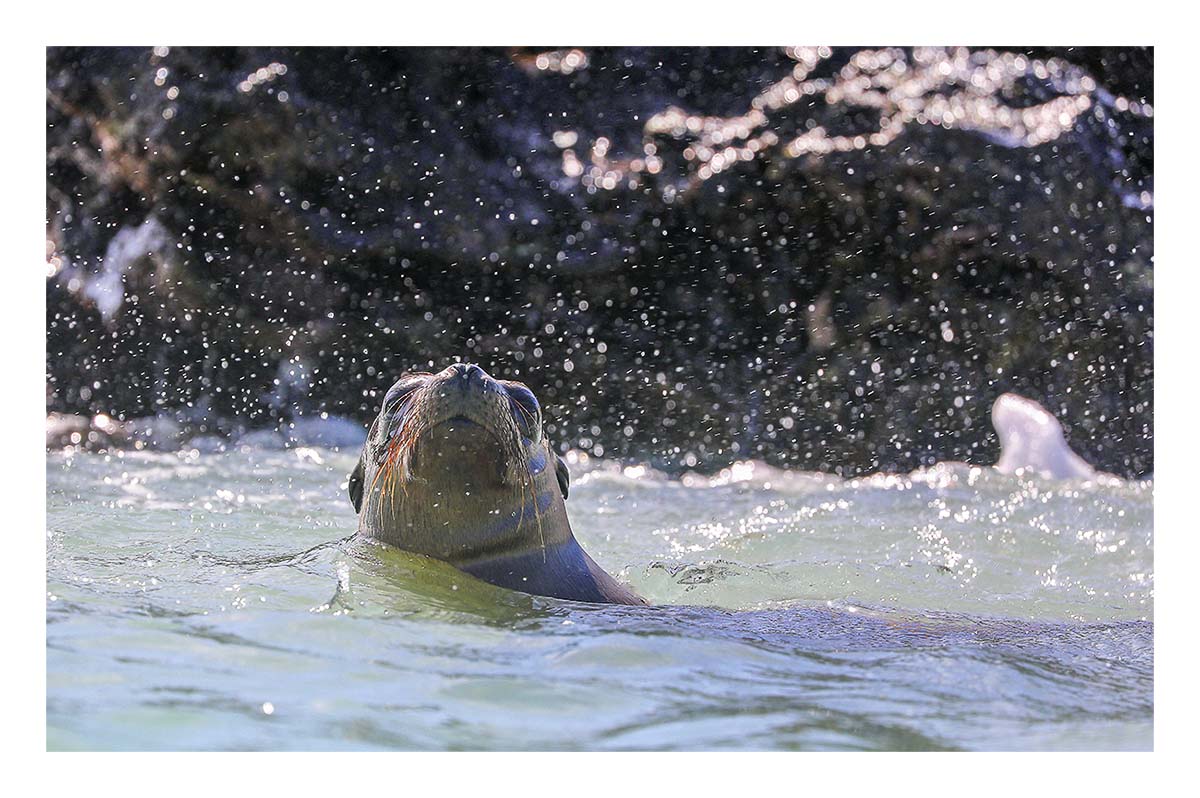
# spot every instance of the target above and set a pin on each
(468, 373)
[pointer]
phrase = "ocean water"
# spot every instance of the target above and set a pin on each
(218, 601)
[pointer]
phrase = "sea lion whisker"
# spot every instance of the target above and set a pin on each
(523, 411)
(378, 473)
(537, 514)
(393, 496)
(387, 469)
(526, 481)
(520, 487)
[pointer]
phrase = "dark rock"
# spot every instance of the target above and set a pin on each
(357, 213)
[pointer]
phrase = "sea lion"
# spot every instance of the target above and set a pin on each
(456, 466)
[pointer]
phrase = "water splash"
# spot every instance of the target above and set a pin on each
(1032, 440)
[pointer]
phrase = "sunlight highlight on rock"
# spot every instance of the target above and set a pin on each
(951, 88)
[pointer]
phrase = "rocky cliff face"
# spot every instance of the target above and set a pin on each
(829, 259)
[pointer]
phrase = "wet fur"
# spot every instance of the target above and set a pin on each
(456, 467)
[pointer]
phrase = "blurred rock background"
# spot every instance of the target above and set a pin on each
(827, 259)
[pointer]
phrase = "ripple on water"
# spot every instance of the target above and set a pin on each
(949, 608)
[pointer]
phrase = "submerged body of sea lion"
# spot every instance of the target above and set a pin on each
(456, 467)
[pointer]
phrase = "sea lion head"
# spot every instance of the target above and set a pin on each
(457, 466)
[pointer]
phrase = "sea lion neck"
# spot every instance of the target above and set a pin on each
(563, 570)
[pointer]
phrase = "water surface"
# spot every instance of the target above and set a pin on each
(213, 601)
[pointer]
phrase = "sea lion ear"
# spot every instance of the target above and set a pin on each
(356, 486)
(564, 476)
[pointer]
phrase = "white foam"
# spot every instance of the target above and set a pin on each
(1031, 440)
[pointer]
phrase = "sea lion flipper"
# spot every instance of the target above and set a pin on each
(564, 476)
(356, 486)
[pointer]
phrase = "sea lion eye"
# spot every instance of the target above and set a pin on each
(402, 387)
(393, 406)
(525, 409)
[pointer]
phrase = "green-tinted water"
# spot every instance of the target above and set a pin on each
(204, 601)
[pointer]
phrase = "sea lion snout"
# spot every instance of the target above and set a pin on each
(466, 376)
(464, 391)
